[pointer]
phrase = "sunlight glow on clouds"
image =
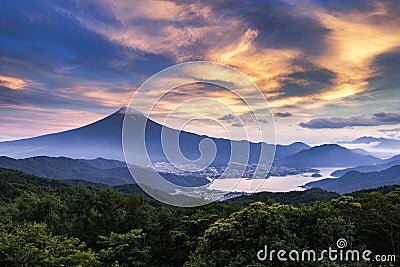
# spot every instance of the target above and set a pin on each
(351, 42)
(354, 41)
(12, 83)
(305, 56)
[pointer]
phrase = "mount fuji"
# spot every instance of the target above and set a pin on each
(103, 138)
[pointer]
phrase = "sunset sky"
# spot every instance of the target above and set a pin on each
(330, 70)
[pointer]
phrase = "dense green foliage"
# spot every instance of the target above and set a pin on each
(52, 223)
(110, 172)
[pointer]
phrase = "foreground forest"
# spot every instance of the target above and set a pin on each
(51, 223)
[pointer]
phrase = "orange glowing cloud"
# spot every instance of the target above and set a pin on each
(354, 42)
(351, 42)
(12, 83)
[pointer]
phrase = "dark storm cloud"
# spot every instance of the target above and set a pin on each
(346, 5)
(374, 120)
(227, 117)
(392, 7)
(237, 124)
(283, 114)
(311, 80)
(387, 72)
(278, 23)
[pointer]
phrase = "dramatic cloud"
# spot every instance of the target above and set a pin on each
(295, 51)
(335, 46)
(305, 56)
(351, 45)
(311, 80)
(12, 83)
(283, 114)
(374, 120)
(386, 77)
(66, 56)
(228, 118)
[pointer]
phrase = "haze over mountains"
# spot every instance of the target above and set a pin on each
(354, 180)
(99, 139)
(379, 147)
(109, 172)
(103, 138)
(381, 142)
(369, 168)
(94, 153)
(329, 155)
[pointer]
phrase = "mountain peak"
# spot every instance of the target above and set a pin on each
(331, 155)
(328, 146)
(128, 110)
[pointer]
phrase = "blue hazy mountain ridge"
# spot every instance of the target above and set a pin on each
(369, 168)
(103, 138)
(330, 155)
(109, 172)
(397, 157)
(382, 143)
(354, 180)
(360, 151)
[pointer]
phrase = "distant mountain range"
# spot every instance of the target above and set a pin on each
(360, 151)
(94, 153)
(368, 168)
(384, 143)
(393, 158)
(379, 147)
(103, 138)
(330, 155)
(354, 180)
(109, 172)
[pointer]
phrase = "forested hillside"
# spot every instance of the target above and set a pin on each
(52, 223)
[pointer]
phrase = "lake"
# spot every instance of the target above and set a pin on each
(272, 184)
